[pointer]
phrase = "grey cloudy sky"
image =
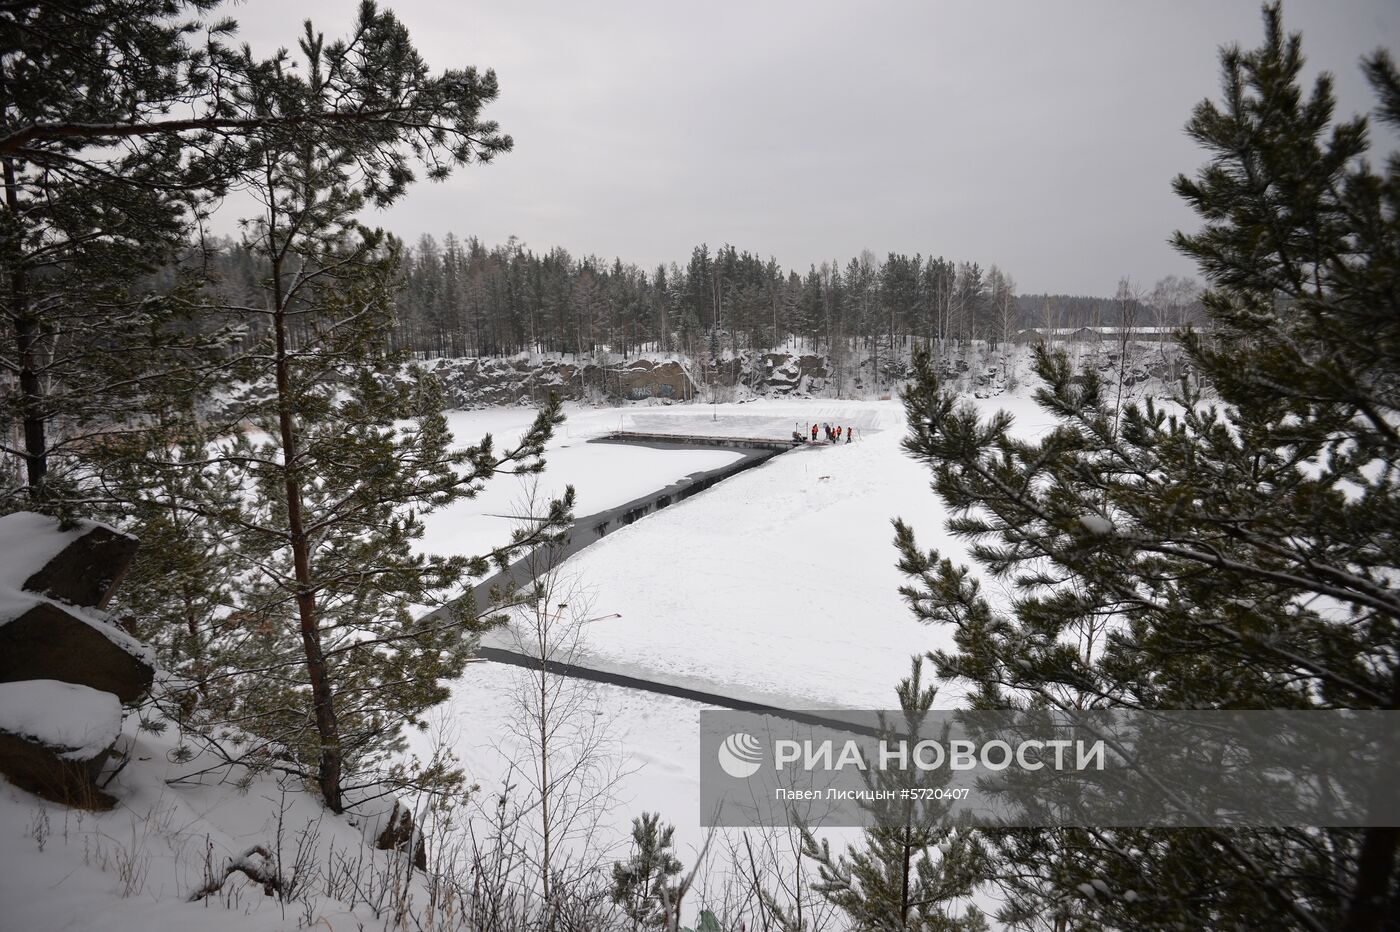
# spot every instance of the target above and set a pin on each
(1039, 136)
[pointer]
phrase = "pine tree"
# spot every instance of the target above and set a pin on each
(117, 130)
(1232, 553)
(82, 217)
(913, 870)
(349, 446)
(182, 594)
(646, 881)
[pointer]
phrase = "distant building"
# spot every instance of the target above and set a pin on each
(1029, 336)
(1084, 335)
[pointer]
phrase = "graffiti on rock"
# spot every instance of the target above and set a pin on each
(649, 390)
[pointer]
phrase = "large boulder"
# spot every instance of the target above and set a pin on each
(786, 373)
(46, 641)
(87, 571)
(385, 822)
(55, 737)
(65, 668)
(812, 366)
(54, 581)
(400, 834)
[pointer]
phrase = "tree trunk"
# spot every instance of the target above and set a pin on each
(904, 878)
(1371, 900)
(327, 728)
(36, 463)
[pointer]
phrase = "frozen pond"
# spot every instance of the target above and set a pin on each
(777, 586)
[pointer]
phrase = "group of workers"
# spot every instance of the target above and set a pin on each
(833, 434)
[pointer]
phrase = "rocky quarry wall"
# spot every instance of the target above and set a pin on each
(493, 381)
(479, 382)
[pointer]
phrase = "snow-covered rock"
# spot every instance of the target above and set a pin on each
(54, 738)
(385, 822)
(81, 565)
(47, 641)
(78, 722)
(65, 668)
(27, 542)
(52, 584)
(476, 382)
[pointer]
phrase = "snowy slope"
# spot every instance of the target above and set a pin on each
(176, 823)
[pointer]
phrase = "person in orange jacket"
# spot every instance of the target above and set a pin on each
(838, 433)
(814, 433)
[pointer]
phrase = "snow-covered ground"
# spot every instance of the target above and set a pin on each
(178, 824)
(778, 585)
(180, 816)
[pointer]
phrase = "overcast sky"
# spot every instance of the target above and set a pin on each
(1042, 137)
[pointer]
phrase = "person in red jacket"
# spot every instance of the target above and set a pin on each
(838, 433)
(814, 433)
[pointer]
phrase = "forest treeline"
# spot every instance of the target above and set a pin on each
(459, 297)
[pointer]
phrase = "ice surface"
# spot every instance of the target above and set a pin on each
(604, 475)
(778, 585)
